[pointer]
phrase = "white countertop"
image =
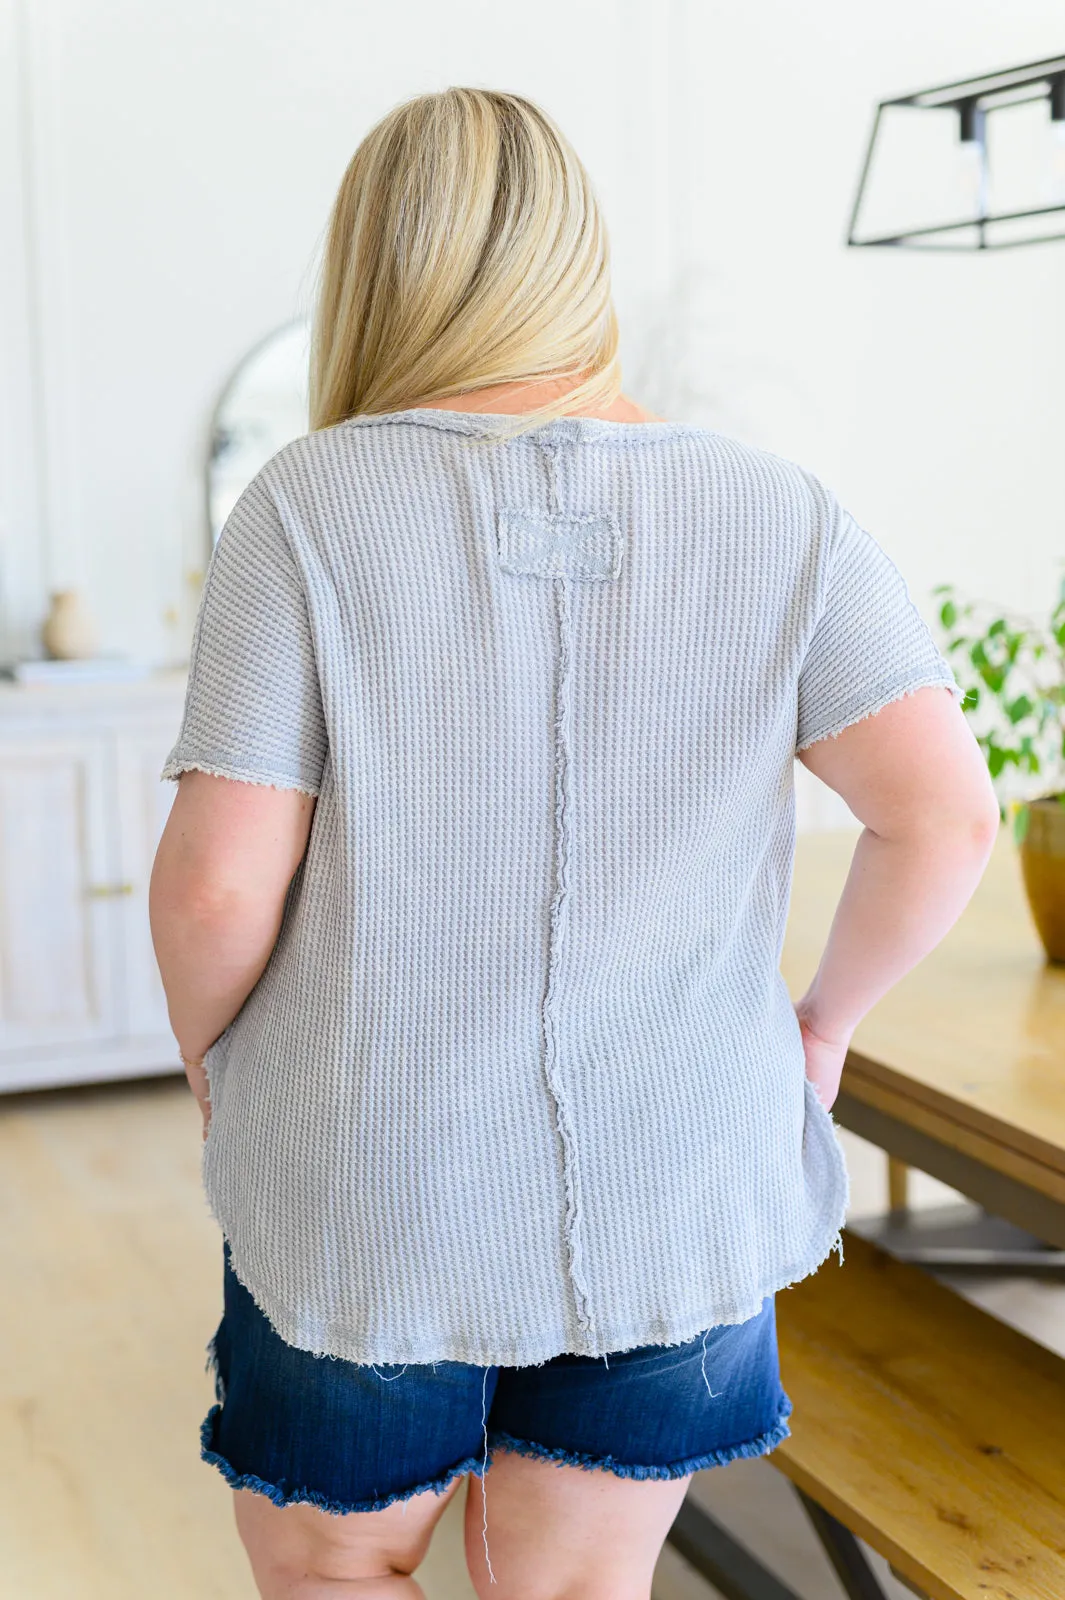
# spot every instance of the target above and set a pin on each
(30, 700)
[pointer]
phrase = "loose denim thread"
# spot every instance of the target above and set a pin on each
(706, 1380)
(484, 1495)
(384, 1377)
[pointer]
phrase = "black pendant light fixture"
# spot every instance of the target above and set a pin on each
(955, 139)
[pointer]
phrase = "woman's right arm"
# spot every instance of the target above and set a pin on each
(915, 776)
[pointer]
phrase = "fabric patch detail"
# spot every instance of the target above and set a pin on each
(551, 544)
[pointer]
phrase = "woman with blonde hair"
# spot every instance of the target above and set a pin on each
(470, 904)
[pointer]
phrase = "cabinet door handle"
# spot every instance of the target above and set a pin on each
(108, 891)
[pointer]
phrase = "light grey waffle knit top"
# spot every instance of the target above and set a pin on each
(521, 1076)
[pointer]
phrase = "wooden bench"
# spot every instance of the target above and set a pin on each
(923, 1425)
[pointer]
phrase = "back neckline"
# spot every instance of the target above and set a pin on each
(485, 424)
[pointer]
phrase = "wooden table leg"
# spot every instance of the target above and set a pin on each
(898, 1180)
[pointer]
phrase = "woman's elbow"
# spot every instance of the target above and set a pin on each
(974, 810)
(965, 824)
(192, 899)
(986, 824)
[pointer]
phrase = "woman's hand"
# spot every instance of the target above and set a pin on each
(824, 1059)
(196, 1073)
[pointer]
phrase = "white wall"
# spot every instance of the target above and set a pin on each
(167, 172)
(181, 162)
(927, 389)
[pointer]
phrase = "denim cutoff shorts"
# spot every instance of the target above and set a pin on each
(345, 1436)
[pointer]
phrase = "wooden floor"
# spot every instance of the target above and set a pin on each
(111, 1265)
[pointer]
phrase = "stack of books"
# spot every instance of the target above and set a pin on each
(92, 669)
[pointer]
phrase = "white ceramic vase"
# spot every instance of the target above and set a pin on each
(69, 632)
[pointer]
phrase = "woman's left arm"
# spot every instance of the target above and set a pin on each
(225, 860)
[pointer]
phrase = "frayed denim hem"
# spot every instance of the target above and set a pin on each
(311, 1497)
(760, 1446)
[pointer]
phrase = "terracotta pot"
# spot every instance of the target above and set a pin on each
(1043, 866)
(69, 632)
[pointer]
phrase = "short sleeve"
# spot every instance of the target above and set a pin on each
(870, 644)
(253, 705)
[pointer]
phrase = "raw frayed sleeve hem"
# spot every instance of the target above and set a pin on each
(273, 780)
(869, 709)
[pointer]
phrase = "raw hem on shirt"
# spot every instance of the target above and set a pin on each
(173, 770)
(684, 1328)
(834, 730)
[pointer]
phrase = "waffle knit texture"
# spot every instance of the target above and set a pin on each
(521, 1076)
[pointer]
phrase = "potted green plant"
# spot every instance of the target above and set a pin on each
(1012, 670)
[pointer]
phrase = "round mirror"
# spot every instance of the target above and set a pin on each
(261, 408)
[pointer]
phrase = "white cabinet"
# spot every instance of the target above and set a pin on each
(81, 810)
(143, 803)
(58, 968)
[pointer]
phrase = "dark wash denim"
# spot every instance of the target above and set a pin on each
(350, 1437)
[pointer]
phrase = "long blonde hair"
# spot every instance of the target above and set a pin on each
(465, 248)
